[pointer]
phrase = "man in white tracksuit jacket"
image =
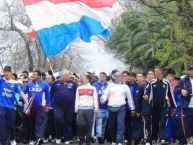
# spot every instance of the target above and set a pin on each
(116, 94)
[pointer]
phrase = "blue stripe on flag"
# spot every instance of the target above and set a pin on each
(55, 39)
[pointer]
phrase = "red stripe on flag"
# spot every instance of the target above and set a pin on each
(90, 3)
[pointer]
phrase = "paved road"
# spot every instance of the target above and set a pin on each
(96, 144)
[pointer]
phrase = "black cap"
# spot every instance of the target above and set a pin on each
(190, 67)
(7, 68)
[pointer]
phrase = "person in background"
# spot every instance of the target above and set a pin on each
(8, 90)
(150, 75)
(86, 105)
(101, 118)
(141, 79)
(94, 78)
(185, 89)
(158, 92)
(38, 91)
(112, 75)
(50, 129)
(14, 76)
(125, 75)
(25, 80)
(116, 94)
(146, 109)
(26, 74)
(63, 93)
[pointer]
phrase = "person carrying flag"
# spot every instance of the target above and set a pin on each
(39, 96)
(8, 89)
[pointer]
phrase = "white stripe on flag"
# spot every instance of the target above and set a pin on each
(46, 14)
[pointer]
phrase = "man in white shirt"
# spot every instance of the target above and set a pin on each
(116, 94)
(85, 105)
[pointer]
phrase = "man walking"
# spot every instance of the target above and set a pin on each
(159, 95)
(63, 93)
(116, 94)
(38, 91)
(101, 118)
(86, 105)
(8, 89)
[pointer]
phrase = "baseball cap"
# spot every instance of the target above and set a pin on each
(190, 67)
(7, 68)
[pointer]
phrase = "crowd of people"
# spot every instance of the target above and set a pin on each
(125, 107)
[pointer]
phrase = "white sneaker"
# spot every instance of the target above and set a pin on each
(113, 143)
(120, 144)
(147, 143)
(31, 143)
(13, 142)
(58, 141)
(163, 142)
(67, 142)
(45, 141)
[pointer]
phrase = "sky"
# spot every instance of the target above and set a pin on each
(99, 59)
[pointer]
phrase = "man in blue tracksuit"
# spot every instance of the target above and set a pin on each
(63, 92)
(159, 95)
(101, 118)
(39, 90)
(8, 89)
(185, 89)
(134, 123)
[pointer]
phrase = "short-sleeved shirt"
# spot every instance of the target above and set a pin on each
(8, 90)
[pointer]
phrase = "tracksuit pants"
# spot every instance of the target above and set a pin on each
(64, 119)
(101, 121)
(159, 123)
(85, 124)
(128, 127)
(50, 127)
(7, 125)
(187, 122)
(37, 121)
(117, 125)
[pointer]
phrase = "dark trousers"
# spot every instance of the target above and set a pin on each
(50, 127)
(64, 122)
(128, 127)
(7, 125)
(37, 121)
(146, 118)
(85, 123)
(159, 126)
(187, 122)
(117, 125)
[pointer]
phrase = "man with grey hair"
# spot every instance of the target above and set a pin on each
(63, 93)
(116, 94)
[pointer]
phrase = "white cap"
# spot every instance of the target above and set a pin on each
(92, 71)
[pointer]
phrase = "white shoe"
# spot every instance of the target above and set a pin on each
(13, 142)
(31, 143)
(147, 143)
(67, 142)
(163, 142)
(113, 143)
(120, 144)
(58, 141)
(45, 141)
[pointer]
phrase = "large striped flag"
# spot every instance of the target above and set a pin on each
(59, 22)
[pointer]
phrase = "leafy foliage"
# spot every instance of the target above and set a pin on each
(159, 34)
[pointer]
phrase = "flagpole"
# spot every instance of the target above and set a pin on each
(50, 65)
(75, 65)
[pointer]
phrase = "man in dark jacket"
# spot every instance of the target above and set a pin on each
(63, 93)
(159, 95)
(185, 89)
(133, 123)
